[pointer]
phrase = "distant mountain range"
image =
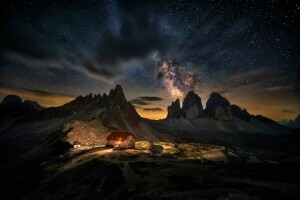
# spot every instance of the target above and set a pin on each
(217, 108)
(115, 107)
(90, 118)
(118, 108)
(291, 123)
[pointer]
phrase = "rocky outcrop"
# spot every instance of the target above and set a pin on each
(12, 106)
(11, 100)
(119, 113)
(291, 123)
(241, 114)
(32, 105)
(112, 109)
(87, 133)
(174, 110)
(264, 119)
(192, 106)
(218, 107)
(116, 96)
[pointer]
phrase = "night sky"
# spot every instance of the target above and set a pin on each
(248, 51)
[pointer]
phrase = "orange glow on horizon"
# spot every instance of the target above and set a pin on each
(275, 108)
(154, 115)
(49, 100)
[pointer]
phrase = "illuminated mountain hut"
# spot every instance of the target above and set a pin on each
(120, 140)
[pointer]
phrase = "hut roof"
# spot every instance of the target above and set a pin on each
(119, 135)
(76, 143)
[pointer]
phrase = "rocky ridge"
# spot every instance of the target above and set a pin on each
(174, 110)
(192, 106)
(12, 106)
(113, 109)
(217, 108)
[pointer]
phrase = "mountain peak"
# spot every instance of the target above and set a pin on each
(119, 109)
(117, 95)
(218, 107)
(174, 110)
(12, 106)
(11, 100)
(192, 106)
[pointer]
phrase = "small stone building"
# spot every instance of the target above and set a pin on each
(76, 144)
(121, 140)
(156, 150)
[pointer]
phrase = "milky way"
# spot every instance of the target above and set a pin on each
(247, 51)
(177, 80)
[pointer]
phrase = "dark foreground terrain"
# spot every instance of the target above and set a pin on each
(191, 171)
(237, 157)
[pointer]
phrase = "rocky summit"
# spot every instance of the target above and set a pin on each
(218, 107)
(192, 106)
(113, 109)
(239, 113)
(174, 110)
(119, 110)
(12, 106)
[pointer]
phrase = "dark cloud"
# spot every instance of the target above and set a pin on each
(97, 46)
(148, 98)
(138, 102)
(288, 111)
(44, 98)
(246, 50)
(156, 109)
(139, 107)
(6, 87)
(145, 100)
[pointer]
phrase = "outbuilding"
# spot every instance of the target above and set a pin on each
(156, 150)
(121, 140)
(76, 144)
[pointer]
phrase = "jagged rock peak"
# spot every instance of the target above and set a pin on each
(118, 109)
(174, 110)
(218, 107)
(241, 114)
(117, 96)
(216, 98)
(192, 106)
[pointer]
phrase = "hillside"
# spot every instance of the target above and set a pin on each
(222, 148)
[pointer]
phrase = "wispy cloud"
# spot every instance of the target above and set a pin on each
(145, 100)
(138, 102)
(44, 98)
(288, 111)
(150, 98)
(156, 109)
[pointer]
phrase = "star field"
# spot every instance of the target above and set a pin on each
(246, 50)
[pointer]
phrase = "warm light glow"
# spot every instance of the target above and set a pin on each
(156, 115)
(271, 107)
(46, 100)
